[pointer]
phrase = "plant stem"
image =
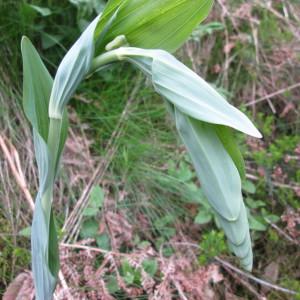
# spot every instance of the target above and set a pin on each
(105, 59)
(53, 144)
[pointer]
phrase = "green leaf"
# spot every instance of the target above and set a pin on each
(248, 187)
(130, 274)
(72, 69)
(50, 40)
(219, 179)
(37, 86)
(206, 29)
(103, 241)
(271, 218)
(203, 217)
(89, 229)
(186, 90)
(254, 203)
(256, 224)
(228, 140)
(154, 24)
(150, 266)
(43, 242)
(43, 11)
(96, 197)
(53, 246)
(95, 202)
(26, 232)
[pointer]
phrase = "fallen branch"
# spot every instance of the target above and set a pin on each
(226, 264)
(255, 279)
(13, 159)
(279, 92)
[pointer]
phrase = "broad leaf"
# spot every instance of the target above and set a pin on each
(72, 69)
(185, 89)
(36, 93)
(218, 175)
(220, 182)
(43, 246)
(226, 136)
(37, 86)
(154, 24)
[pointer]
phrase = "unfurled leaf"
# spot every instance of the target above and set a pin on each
(72, 69)
(36, 93)
(186, 90)
(154, 24)
(37, 86)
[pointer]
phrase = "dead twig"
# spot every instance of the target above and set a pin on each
(228, 265)
(13, 159)
(255, 279)
(279, 92)
(283, 233)
(246, 284)
(293, 186)
(92, 249)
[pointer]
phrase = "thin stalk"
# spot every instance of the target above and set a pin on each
(53, 142)
(105, 59)
(53, 146)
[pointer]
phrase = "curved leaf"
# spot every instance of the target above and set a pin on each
(36, 93)
(74, 66)
(226, 136)
(218, 175)
(220, 182)
(154, 24)
(37, 86)
(44, 249)
(186, 90)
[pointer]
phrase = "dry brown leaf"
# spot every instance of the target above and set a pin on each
(21, 288)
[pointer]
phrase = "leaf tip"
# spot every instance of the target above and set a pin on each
(24, 40)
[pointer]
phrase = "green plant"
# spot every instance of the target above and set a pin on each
(212, 244)
(140, 32)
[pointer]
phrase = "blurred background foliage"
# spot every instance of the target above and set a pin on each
(149, 198)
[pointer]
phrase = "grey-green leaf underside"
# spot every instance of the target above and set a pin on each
(36, 93)
(220, 181)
